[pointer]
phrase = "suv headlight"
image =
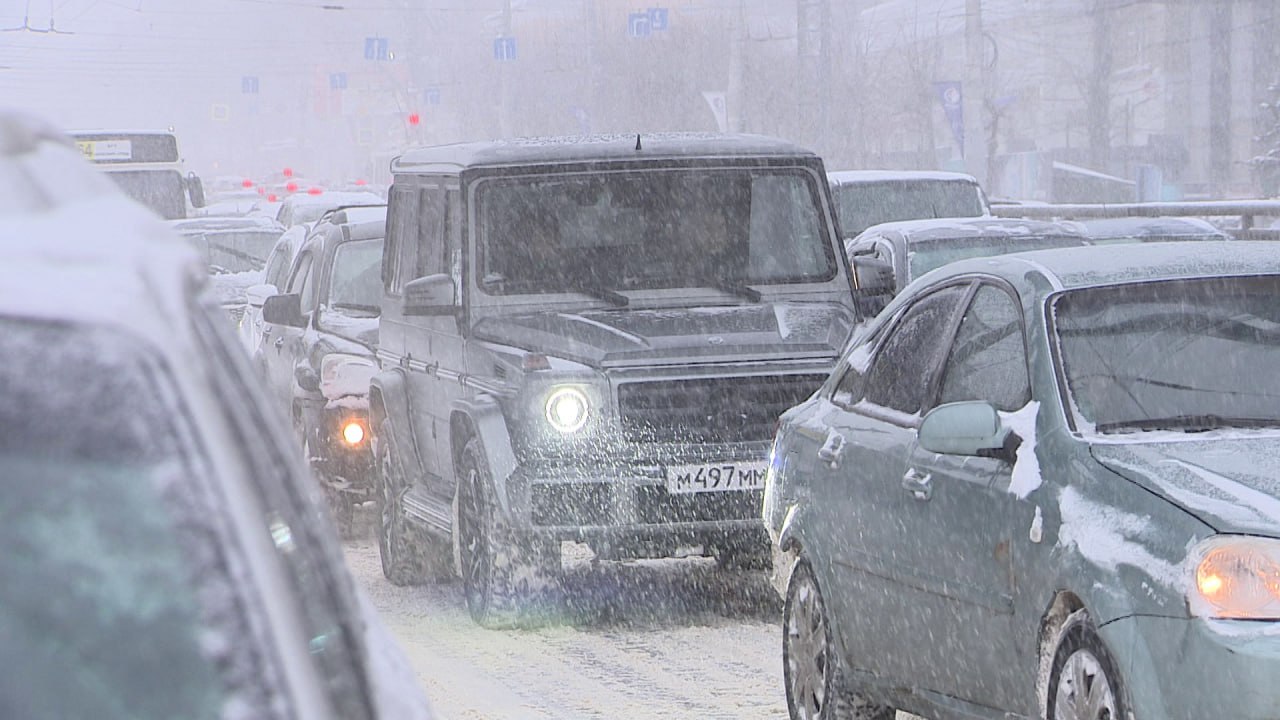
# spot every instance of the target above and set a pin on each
(344, 375)
(1236, 577)
(567, 409)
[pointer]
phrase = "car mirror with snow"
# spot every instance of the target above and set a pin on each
(430, 295)
(256, 295)
(284, 310)
(964, 428)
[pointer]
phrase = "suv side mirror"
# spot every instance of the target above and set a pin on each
(195, 189)
(256, 295)
(430, 295)
(284, 310)
(967, 428)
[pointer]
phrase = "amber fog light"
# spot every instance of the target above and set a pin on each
(353, 432)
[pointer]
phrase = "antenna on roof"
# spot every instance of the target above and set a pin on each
(638, 142)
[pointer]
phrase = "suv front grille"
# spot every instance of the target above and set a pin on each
(654, 505)
(701, 410)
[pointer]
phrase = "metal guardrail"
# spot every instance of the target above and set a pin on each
(1246, 210)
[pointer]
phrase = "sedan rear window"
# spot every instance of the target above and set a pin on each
(99, 612)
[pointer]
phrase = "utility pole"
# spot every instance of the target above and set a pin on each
(734, 92)
(1220, 96)
(1098, 88)
(974, 92)
(813, 43)
(504, 79)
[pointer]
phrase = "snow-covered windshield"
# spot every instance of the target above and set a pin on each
(861, 205)
(355, 283)
(161, 190)
(100, 612)
(933, 254)
(655, 229)
(1175, 355)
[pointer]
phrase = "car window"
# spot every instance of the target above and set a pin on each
(277, 266)
(901, 370)
(353, 277)
(303, 535)
(116, 599)
(402, 220)
(430, 257)
(988, 360)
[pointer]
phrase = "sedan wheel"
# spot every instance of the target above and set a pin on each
(808, 658)
(1083, 683)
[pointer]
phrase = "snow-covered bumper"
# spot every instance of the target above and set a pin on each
(339, 446)
(1195, 668)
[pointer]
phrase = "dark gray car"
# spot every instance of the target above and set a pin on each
(591, 340)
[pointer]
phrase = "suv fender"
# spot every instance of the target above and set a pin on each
(389, 399)
(482, 418)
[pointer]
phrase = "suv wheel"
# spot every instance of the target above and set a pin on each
(409, 555)
(809, 666)
(508, 581)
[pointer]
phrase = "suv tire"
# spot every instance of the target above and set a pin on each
(508, 581)
(409, 555)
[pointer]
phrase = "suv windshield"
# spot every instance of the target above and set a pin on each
(651, 229)
(99, 613)
(861, 205)
(233, 251)
(1150, 356)
(356, 280)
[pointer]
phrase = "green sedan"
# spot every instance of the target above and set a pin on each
(1043, 485)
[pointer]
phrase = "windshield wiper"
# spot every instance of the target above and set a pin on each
(1190, 423)
(734, 287)
(601, 293)
(357, 307)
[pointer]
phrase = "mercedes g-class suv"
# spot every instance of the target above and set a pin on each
(591, 339)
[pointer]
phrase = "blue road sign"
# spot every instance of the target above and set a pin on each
(338, 81)
(249, 85)
(658, 19)
(504, 48)
(377, 48)
(431, 96)
(638, 25)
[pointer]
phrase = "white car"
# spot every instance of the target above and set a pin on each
(165, 554)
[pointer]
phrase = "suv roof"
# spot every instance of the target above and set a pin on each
(849, 177)
(592, 148)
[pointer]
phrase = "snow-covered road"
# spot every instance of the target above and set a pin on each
(650, 639)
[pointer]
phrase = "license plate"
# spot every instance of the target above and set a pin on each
(714, 477)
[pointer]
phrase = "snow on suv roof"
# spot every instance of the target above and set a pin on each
(591, 148)
(956, 228)
(848, 177)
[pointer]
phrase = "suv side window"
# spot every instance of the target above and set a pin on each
(453, 240)
(303, 283)
(900, 373)
(432, 258)
(402, 221)
(988, 360)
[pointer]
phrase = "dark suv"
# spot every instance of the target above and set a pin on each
(591, 340)
(317, 349)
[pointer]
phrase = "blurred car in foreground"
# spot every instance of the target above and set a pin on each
(1043, 485)
(318, 346)
(1148, 229)
(888, 256)
(870, 197)
(164, 555)
(235, 249)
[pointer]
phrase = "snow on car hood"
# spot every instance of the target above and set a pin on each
(1231, 483)
(360, 330)
(603, 338)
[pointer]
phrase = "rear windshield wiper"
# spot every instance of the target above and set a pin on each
(1190, 423)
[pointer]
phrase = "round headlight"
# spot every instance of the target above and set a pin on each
(1237, 578)
(567, 409)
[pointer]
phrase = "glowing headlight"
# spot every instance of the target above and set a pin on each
(353, 432)
(1236, 578)
(567, 409)
(342, 375)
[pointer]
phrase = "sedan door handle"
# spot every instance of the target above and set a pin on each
(279, 342)
(918, 485)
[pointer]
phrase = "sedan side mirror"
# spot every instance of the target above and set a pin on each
(967, 428)
(284, 310)
(256, 295)
(430, 295)
(306, 378)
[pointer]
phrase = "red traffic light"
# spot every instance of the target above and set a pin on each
(414, 118)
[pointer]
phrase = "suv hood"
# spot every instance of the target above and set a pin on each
(1233, 484)
(624, 337)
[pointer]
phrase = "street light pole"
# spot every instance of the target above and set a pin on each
(974, 93)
